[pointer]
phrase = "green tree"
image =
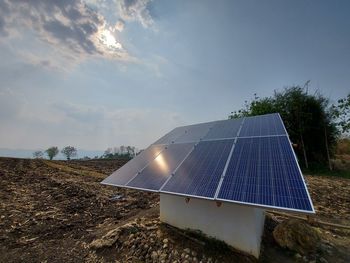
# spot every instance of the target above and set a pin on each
(69, 151)
(307, 118)
(341, 112)
(52, 152)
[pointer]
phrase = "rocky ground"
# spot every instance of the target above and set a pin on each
(56, 211)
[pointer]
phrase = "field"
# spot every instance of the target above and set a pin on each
(56, 211)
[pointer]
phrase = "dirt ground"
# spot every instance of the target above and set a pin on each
(57, 211)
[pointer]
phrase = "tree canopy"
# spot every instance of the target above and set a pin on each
(52, 152)
(341, 113)
(38, 154)
(69, 152)
(308, 119)
(120, 152)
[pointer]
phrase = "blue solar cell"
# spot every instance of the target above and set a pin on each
(224, 129)
(200, 173)
(158, 171)
(262, 170)
(130, 169)
(263, 125)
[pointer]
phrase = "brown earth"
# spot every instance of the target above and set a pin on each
(56, 211)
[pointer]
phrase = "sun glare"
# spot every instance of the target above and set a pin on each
(162, 163)
(109, 40)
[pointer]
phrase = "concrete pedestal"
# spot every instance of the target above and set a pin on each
(239, 226)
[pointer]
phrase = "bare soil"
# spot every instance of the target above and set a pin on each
(52, 211)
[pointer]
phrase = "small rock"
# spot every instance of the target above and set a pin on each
(162, 256)
(165, 246)
(187, 250)
(323, 260)
(194, 253)
(154, 255)
(165, 240)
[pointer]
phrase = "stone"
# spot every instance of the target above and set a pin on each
(165, 240)
(163, 256)
(187, 250)
(323, 260)
(297, 235)
(154, 255)
(107, 240)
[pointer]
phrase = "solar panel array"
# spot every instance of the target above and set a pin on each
(247, 160)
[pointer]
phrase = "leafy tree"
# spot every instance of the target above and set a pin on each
(52, 152)
(341, 112)
(69, 151)
(307, 118)
(38, 154)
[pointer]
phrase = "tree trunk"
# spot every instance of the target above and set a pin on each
(304, 151)
(327, 149)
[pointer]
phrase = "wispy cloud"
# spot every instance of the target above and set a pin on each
(135, 10)
(72, 29)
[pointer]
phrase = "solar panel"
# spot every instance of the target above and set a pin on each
(262, 171)
(264, 125)
(247, 161)
(194, 133)
(157, 172)
(200, 173)
(224, 129)
(124, 174)
(172, 135)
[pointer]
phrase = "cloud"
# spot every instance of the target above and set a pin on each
(119, 25)
(32, 125)
(136, 10)
(71, 28)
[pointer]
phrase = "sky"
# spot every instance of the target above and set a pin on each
(103, 73)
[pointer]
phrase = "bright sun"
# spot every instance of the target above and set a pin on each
(109, 40)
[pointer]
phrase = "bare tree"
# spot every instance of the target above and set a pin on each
(52, 152)
(38, 154)
(69, 151)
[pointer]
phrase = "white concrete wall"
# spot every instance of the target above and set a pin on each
(239, 226)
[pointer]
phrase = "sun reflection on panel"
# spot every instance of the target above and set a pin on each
(162, 164)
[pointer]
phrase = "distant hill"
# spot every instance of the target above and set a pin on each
(28, 153)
